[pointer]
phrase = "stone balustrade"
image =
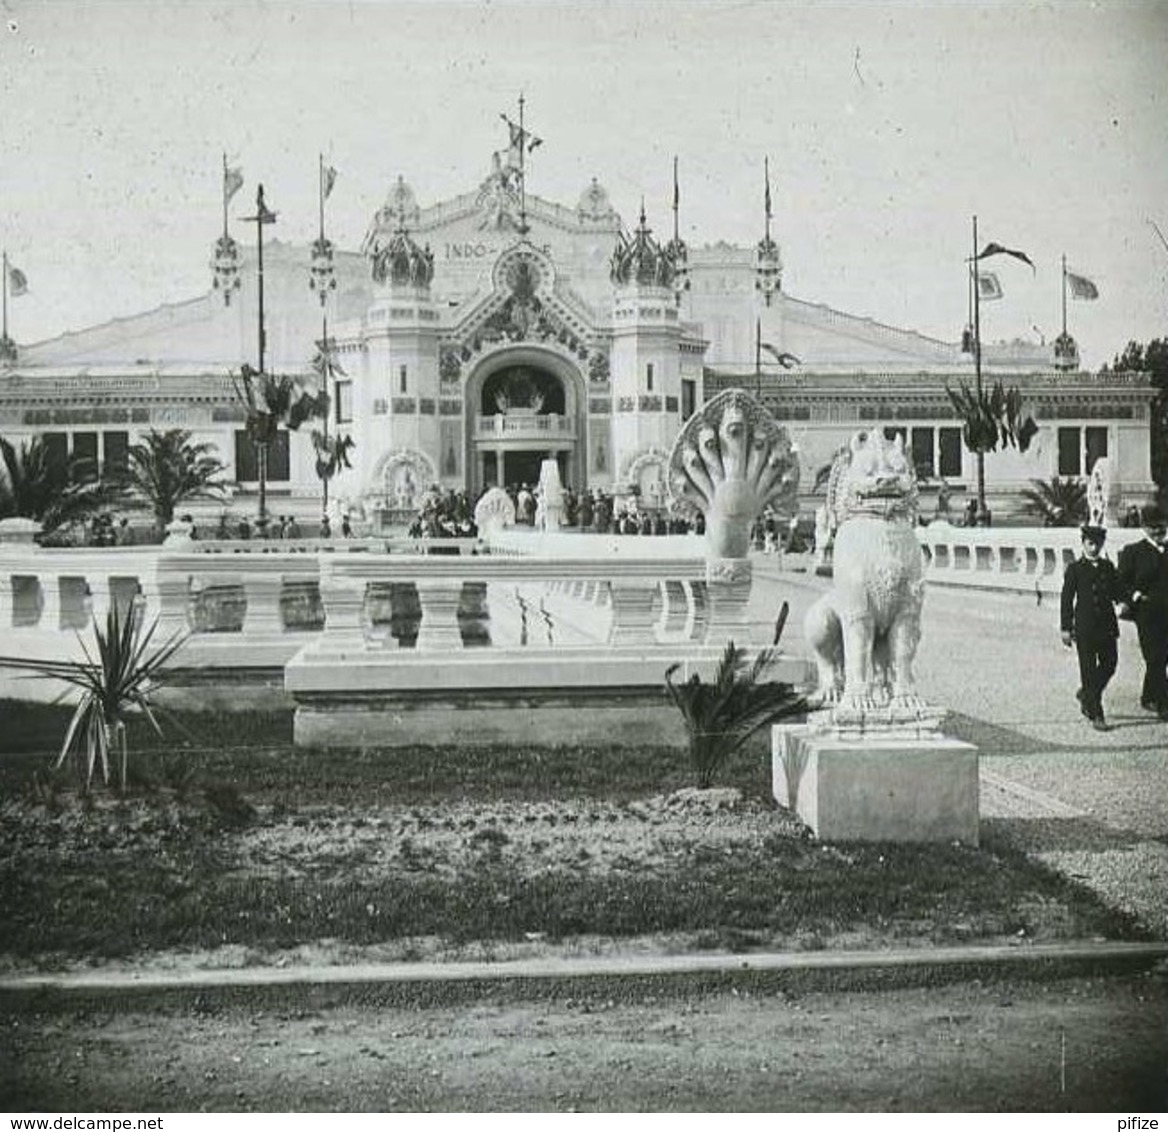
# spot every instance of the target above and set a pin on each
(1012, 559)
(253, 605)
(515, 601)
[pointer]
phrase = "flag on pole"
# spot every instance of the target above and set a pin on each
(330, 179)
(989, 286)
(232, 181)
(17, 282)
(1081, 287)
(767, 198)
(999, 249)
(784, 359)
(676, 189)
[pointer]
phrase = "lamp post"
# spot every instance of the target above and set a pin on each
(261, 433)
(322, 279)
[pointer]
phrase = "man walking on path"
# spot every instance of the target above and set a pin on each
(1087, 619)
(1143, 582)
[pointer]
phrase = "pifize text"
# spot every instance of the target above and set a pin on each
(1136, 1124)
(479, 251)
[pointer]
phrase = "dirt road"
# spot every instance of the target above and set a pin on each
(1064, 1045)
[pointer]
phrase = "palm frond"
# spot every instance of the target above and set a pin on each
(720, 716)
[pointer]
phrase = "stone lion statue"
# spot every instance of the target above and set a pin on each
(865, 630)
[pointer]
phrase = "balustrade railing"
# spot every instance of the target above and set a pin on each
(249, 605)
(518, 426)
(1018, 559)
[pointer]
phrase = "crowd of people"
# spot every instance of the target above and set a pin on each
(1097, 594)
(602, 513)
(449, 514)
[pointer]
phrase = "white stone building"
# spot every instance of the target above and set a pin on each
(480, 335)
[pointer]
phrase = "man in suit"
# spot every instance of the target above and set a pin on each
(1143, 581)
(1087, 620)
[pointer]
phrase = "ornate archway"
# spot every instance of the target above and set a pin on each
(525, 403)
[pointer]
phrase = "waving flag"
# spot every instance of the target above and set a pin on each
(17, 282)
(1000, 249)
(330, 179)
(232, 181)
(784, 359)
(989, 286)
(1081, 287)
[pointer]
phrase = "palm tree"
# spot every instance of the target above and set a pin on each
(1057, 502)
(31, 488)
(166, 469)
(272, 401)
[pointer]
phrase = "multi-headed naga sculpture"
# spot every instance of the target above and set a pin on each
(729, 461)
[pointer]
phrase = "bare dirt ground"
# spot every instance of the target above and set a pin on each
(1064, 1045)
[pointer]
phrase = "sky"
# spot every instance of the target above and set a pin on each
(887, 128)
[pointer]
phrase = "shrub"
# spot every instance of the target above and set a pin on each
(720, 717)
(118, 684)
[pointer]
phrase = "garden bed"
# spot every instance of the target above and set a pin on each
(258, 853)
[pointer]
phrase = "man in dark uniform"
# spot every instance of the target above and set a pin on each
(1143, 582)
(1087, 620)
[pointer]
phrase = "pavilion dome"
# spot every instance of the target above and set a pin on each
(594, 203)
(642, 260)
(400, 208)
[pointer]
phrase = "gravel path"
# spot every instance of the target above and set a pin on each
(1093, 805)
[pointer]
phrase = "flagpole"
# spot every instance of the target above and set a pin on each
(522, 172)
(980, 456)
(324, 346)
(676, 201)
(4, 335)
(1064, 296)
(225, 193)
(766, 164)
(320, 189)
(758, 356)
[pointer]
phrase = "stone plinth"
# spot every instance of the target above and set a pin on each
(349, 696)
(872, 787)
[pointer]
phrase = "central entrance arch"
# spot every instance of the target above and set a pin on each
(525, 404)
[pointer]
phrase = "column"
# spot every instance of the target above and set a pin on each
(439, 599)
(632, 611)
(168, 596)
(728, 584)
(262, 593)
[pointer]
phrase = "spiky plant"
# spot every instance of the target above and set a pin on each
(1056, 502)
(719, 717)
(117, 683)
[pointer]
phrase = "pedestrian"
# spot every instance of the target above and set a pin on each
(1087, 620)
(1143, 584)
(346, 526)
(326, 529)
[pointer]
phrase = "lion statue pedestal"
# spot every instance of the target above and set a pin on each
(872, 764)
